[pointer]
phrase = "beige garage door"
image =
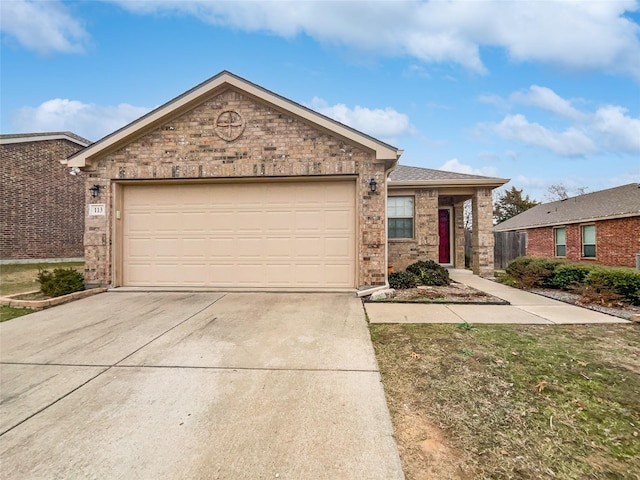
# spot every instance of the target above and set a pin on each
(254, 235)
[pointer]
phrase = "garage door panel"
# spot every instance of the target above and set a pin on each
(265, 235)
(278, 247)
(336, 247)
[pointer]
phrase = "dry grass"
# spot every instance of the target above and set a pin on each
(20, 278)
(503, 402)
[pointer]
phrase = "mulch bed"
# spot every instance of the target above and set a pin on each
(456, 293)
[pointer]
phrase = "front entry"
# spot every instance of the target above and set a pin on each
(444, 232)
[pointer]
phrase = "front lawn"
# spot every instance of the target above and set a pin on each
(513, 401)
(20, 278)
(8, 313)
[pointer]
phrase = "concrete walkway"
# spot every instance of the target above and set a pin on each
(525, 308)
(194, 385)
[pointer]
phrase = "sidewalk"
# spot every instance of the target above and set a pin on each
(526, 308)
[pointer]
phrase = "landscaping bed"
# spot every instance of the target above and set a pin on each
(456, 293)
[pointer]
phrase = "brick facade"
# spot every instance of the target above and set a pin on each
(482, 239)
(41, 205)
(617, 242)
(424, 245)
(272, 144)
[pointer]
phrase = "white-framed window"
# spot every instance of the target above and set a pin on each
(589, 241)
(560, 241)
(400, 217)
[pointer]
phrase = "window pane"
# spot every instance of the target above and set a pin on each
(589, 234)
(400, 228)
(561, 251)
(561, 236)
(589, 251)
(400, 207)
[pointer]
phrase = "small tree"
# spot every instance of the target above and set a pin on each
(510, 203)
(558, 191)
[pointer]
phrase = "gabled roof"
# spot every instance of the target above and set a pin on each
(612, 203)
(214, 86)
(418, 176)
(39, 137)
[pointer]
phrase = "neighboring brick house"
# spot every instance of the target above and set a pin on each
(601, 227)
(233, 186)
(41, 205)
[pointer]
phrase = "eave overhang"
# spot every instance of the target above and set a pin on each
(567, 222)
(449, 183)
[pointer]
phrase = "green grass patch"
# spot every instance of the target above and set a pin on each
(9, 313)
(526, 402)
(20, 278)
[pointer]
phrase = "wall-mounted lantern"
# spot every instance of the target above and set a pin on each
(95, 191)
(373, 185)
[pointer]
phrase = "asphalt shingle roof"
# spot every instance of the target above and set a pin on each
(615, 202)
(26, 136)
(403, 173)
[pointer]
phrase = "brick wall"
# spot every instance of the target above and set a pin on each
(273, 144)
(424, 245)
(41, 205)
(617, 242)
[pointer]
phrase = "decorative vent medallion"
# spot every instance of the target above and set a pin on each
(229, 125)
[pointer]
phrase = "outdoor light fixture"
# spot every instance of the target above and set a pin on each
(95, 191)
(373, 185)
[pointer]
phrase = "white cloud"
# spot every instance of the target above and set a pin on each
(609, 128)
(547, 99)
(570, 143)
(386, 124)
(618, 131)
(88, 120)
(43, 27)
(454, 165)
(570, 34)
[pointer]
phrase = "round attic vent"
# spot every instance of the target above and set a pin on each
(229, 125)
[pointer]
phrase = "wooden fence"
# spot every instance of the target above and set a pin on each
(508, 246)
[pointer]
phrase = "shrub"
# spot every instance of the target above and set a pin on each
(403, 280)
(570, 275)
(430, 273)
(621, 281)
(533, 272)
(61, 282)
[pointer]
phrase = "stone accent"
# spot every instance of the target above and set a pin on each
(482, 235)
(272, 144)
(42, 206)
(15, 302)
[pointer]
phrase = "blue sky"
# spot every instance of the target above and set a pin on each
(542, 92)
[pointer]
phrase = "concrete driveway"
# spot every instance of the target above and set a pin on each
(194, 385)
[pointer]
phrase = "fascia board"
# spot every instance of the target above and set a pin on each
(568, 222)
(40, 138)
(489, 182)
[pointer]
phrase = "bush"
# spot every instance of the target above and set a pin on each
(570, 275)
(620, 281)
(430, 273)
(533, 272)
(403, 280)
(61, 282)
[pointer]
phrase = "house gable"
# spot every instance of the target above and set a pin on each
(214, 87)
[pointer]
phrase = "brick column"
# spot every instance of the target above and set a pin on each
(458, 235)
(427, 223)
(482, 239)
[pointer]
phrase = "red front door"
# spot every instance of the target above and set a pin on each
(444, 231)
